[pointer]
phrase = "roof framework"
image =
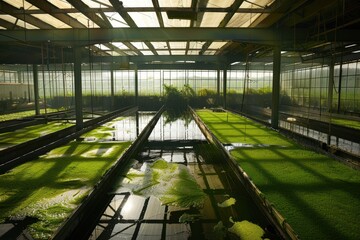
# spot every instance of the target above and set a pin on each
(173, 31)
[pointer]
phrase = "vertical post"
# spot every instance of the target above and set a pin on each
(112, 86)
(339, 86)
(330, 96)
(224, 86)
(331, 84)
(218, 85)
(137, 124)
(78, 88)
(276, 87)
(136, 87)
(36, 89)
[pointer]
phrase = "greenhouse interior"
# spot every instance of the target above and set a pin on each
(179, 119)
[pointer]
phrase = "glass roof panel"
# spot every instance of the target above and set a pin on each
(51, 20)
(145, 19)
(244, 19)
(60, 4)
(147, 52)
(196, 45)
(212, 19)
(177, 45)
(220, 4)
(178, 52)
(193, 52)
(120, 45)
(21, 4)
(131, 53)
(142, 3)
(116, 20)
(113, 53)
(256, 3)
(159, 45)
(84, 20)
(163, 52)
(174, 22)
(217, 45)
(18, 22)
(140, 45)
(97, 4)
(209, 52)
(175, 3)
(102, 47)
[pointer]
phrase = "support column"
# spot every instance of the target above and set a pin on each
(330, 97)
(112, 87)
(331, 84)
(218, 85)
(36, 89)
(276, 87)
(136, 87)
(224, 87)
(78, 89)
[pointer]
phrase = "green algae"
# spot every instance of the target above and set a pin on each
(346, 122)
(246, 230)
(102, 132)
(227, 203)
(171, 183)
(317, 195)
(51, 187)
(23, 114)
(28, 133)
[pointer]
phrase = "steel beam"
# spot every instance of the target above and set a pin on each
(99, 35)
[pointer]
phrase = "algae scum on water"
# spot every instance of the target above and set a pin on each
(171, 183)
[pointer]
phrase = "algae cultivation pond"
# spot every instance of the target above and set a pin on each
(39, 195)
(177, 187)
(318, 196)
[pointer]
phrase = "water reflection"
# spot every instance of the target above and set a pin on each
(177, 141)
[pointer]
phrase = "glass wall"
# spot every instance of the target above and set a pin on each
(308, 87)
